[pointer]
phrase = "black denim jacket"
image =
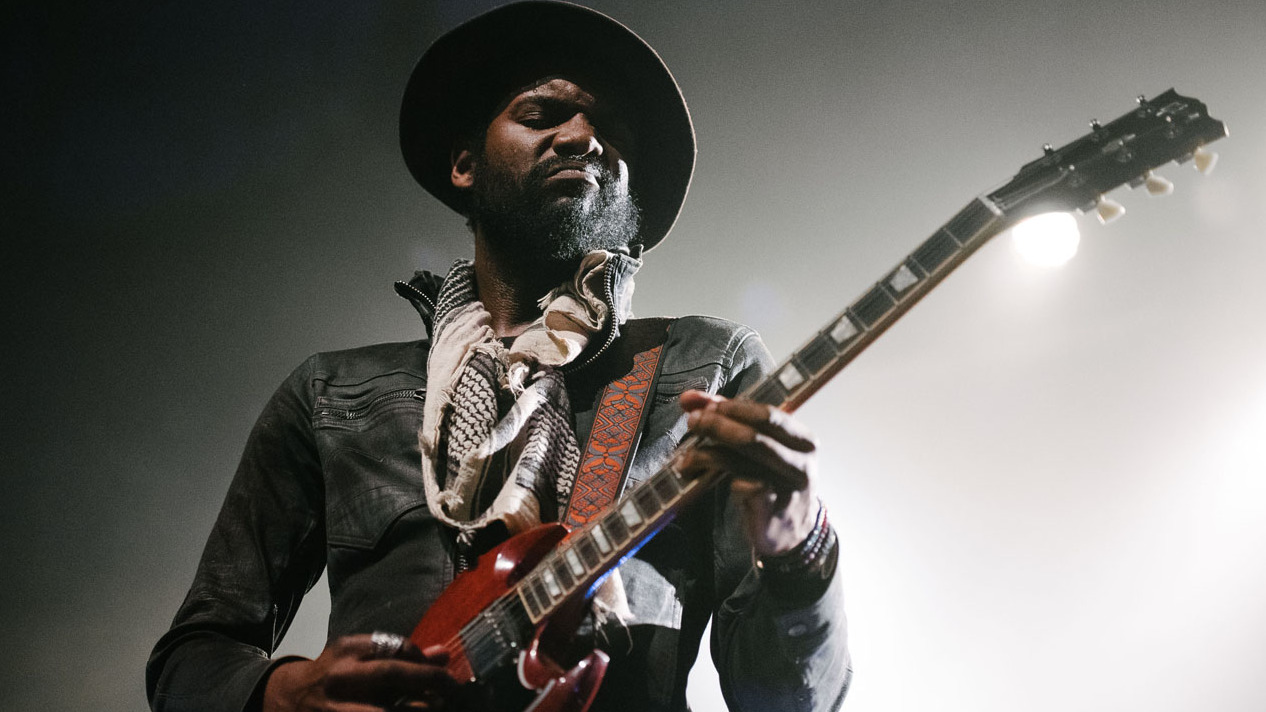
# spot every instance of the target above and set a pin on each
(330, 480)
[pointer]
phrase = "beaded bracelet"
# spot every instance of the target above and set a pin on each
(809, 556)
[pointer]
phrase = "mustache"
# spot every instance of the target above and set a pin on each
(591, 164)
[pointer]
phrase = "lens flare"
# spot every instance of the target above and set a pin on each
(1047, 240)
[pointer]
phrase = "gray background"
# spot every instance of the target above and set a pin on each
(1050, 484)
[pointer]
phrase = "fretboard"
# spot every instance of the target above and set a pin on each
(590, 553)
(852, 330)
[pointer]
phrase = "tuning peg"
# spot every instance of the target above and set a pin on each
(1204, 160)
(1108, 210)
(1157, 185)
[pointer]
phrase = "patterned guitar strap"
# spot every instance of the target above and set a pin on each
(617, 424)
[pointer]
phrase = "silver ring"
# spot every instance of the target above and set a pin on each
(385, 645)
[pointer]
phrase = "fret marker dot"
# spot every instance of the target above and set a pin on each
(790, 377)
(573, 561)
(902, 278)
(843, 330)
(551, 584)
(600, 538)
(630, 514)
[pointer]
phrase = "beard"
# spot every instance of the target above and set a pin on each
(527, 220)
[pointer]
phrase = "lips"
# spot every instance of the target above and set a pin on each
(574, 171)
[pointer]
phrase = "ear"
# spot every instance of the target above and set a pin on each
(463, 174)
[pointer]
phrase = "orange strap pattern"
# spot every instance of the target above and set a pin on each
(607, 453)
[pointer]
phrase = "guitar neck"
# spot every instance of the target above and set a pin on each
(857, 326)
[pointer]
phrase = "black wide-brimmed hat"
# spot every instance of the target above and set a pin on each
(467, 73)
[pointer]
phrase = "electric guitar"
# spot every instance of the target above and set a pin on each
(519, 606)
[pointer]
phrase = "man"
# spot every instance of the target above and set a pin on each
(564, 140)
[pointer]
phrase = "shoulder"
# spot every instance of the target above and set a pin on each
(710, 339)
(365, 364)
(712, 353)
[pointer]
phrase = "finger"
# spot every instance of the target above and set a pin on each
(384, 681)
(435, 654)
(694, 399)
(335, 706)
(763, 418)
(765, 462)
(788, 466)
(771, 421)
(364, 647)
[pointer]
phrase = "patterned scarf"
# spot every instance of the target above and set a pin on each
(496, 437)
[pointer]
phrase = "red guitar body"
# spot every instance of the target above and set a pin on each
(542, 664)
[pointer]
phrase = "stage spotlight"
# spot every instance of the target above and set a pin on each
(1046, 240)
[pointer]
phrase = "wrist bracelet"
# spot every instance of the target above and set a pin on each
(808, 556)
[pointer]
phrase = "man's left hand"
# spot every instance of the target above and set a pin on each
(772, 459)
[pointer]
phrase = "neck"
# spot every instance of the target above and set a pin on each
(510, 288)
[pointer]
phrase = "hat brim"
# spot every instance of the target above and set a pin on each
(463, 77)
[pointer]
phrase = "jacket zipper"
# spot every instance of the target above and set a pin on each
(611, 331)
(349, 414)
(420, 294)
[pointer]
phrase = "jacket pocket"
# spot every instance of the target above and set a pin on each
(359, 413)
(670, 391)
(367, 438)
(361, 520)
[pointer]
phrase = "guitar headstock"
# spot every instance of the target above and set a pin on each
(1168, 127)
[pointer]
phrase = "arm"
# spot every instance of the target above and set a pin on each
(265, 552)
(779, 636)
(266, 549)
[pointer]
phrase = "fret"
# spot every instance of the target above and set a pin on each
(769, 392)
(588, 551)
(646, 501)
(665, 484)
(573, 562)
(616, 528)
(817, 354)
(872, 307)
(540, 592)
(564, 576)
(935, 251)
(534, 608)
(970, 221)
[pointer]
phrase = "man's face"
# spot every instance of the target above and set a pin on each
(551, 181)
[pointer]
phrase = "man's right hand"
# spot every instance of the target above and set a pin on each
(347, 677)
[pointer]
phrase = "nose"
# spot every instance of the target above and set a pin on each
(576, 137)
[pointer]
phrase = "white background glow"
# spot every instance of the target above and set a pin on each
(1049, 484)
